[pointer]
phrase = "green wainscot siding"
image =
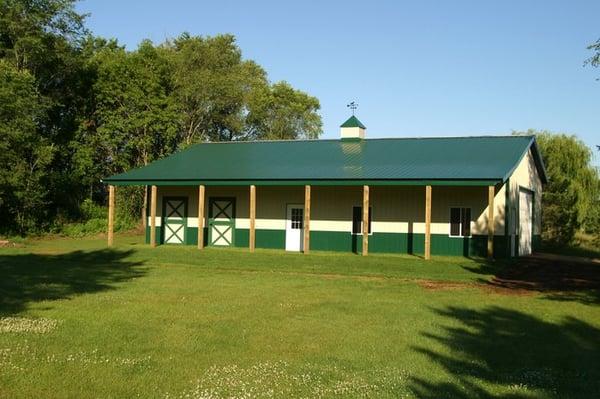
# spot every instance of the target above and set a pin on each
(269, 239)
(191, 236)
(403, 243)
(334, 241)
(242, 238)
(273, 239)
(406, 243)
(158, 231)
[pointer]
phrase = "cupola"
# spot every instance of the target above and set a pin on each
(352, 129)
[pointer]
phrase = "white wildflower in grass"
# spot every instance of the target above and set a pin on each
(94, 357)
(27, 325)
(21, 355)
(10, 358)
(280, 380)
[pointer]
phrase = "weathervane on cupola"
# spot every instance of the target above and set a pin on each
(353, 105)
(352, 128)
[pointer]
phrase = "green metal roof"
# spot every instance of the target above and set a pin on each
(462, 160)
(353, 122)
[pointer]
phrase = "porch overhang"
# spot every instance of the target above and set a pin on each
(313, 182)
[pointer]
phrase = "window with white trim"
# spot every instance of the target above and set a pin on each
(357, 220)
(460, 222)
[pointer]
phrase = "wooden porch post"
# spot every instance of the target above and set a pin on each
(365, 220)
(201, 191)
(252, 240)
(306, 219)
(427, 222)
(153, 217)
(111, 215)
(491, 222)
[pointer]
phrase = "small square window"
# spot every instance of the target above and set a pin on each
(460, 222)
(357, 220)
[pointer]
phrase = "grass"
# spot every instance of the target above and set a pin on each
(79, 320)
(584, 246)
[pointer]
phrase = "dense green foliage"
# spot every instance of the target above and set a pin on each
(25, 155)
(75, 108)
(78, 320)
(570, 200)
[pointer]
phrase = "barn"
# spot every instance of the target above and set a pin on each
(465, 196)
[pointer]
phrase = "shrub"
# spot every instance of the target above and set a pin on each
(95, 221)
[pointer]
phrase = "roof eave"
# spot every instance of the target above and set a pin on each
(539, 162)
(302, 182)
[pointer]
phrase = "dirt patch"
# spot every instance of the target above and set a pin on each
(9, 244)
(332, 276)
(500, 290)
(434, 285)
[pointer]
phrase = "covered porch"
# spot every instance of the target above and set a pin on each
(414, 217)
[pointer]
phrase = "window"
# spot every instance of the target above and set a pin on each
(297, 218)
(357, 220)
(460, 222)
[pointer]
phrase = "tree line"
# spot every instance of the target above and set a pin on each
(75, 108)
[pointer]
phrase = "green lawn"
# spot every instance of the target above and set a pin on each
(79, 320)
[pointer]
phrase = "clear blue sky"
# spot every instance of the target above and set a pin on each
(420, 68)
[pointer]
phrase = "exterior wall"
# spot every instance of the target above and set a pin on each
(352, 133)
(525, 176)
(398, 217)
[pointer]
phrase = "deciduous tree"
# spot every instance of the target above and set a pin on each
(25, 154)
(570, 199)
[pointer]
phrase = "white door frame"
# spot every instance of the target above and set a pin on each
(525, 226)
(294, 228)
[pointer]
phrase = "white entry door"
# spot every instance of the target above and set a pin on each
(525, 222)
(294, 228)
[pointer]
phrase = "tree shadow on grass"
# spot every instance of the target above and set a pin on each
(558, 278)
(27, 278)
(522, 355)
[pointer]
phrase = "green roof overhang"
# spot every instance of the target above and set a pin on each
(382, 182)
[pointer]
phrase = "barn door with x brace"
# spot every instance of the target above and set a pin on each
(174, 220)
(221, 221)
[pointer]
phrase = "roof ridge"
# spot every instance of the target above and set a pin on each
(366, 139)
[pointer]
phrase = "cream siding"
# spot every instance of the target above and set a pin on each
(526, 176)
(352, 133)
(396, 209)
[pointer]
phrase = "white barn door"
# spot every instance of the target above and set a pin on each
(221, 221)
(525, 222)
(175, 217)
(294, 228)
